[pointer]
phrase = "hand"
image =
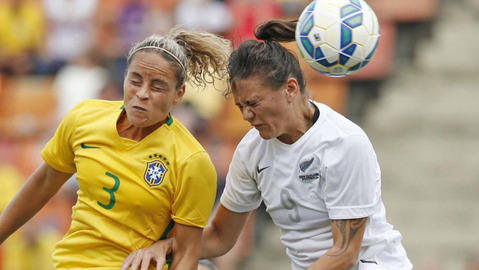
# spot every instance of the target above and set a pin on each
(155, 253)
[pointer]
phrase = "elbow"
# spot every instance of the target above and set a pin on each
(350, 262)
(214, 243)
(350, 259)
(345, 260)
(224, 245)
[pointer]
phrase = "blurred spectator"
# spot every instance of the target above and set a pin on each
(30, 248)
(70, 31)
(209, 15)
(129, 21)
(159, 17)
(111, 91)
(10, 183)
(82, 78)
(292, 8)
(107, 41)
(249, 13)
(22, 28)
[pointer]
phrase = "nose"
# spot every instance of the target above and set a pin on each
(247, 113)
(142, 93)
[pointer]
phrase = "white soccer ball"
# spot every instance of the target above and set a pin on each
(337, 37)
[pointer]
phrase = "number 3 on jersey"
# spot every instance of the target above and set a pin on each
(111, 191)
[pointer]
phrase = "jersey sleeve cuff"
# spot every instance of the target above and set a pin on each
(352, 212)
(237, 208)
(51, 162)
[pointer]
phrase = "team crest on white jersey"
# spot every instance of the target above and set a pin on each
(309, 169)
(303, 166)
(155, 173)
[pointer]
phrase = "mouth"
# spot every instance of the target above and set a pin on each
(138, 108)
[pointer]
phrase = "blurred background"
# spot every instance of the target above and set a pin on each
(416, 100)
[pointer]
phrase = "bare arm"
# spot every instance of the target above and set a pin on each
(216, 239)
(184, 249)
(219, 237)
(347, 237)
(40, 187)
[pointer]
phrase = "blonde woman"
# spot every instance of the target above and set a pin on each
(140, 171)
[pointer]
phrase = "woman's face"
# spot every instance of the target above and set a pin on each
(150, 89)
(266, 109)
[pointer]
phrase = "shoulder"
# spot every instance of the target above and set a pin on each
(92, 112)
(335, 124)
(185, 143)
(251, 142)
(249, 151)
(96, 105)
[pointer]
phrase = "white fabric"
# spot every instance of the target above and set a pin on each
(75, 83)
(331, 172)
(70, 32)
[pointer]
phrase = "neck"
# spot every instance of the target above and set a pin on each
(303, 114)
(127, 130)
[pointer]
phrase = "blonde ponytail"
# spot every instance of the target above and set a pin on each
(201, 57)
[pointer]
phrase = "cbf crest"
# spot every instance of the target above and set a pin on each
(155, 173)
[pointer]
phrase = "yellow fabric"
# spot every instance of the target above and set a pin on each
(19, 252)
(22, 29)
(10, 182)
(129, 191)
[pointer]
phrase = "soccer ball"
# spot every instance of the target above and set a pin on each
(337, 37)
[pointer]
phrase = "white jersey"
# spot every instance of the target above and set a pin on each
(331, 172)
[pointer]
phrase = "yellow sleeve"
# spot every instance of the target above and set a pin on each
(58, 153)
(195, 192)
(10, 183)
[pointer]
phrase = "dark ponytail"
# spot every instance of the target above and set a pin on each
(268, 59)
(276, 30)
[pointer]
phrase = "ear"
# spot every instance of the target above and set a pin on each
(179, 94)
(292, 89)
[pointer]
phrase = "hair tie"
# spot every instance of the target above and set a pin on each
(161, 49)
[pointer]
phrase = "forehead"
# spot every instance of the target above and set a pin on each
(250, 88)
(152, 64)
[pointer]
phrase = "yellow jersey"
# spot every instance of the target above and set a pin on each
(130, 193)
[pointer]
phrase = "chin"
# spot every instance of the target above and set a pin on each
(266, 136)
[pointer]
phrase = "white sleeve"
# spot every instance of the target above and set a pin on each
(352, 179)
(241, 192)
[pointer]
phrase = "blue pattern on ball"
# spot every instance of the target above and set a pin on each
(346, 36)
(354, 21)
(308, 46)
(318, 53)
(343, 59)
(348, 10)
(311, 6)
(319, 28)
(350, 49)
(325, 63)
(355, 67)
(356, 3)
(307, 25)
